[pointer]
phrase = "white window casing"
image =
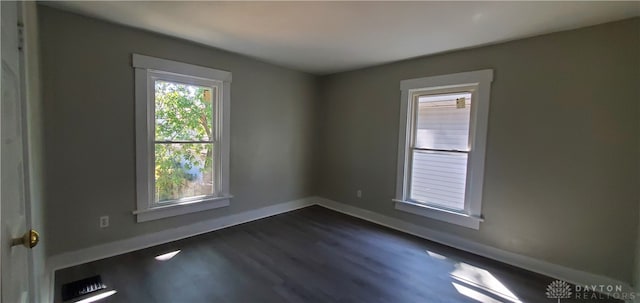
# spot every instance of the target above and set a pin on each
(461, 177)
(147, 71)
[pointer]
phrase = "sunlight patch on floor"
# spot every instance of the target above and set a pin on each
(436, 256)
(167, 256)
(97, 297)
(476, 279)
(474, 294)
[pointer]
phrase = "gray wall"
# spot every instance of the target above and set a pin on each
(88, 89)
(562, 151)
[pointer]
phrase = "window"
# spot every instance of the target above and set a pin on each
(182, 138)
(443, 127)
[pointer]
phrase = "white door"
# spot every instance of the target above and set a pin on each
(15, 262)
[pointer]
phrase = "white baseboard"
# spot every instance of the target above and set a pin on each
(555, 271)
(111, 249)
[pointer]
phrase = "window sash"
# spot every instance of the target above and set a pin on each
(214, 190)
(443, 124)
(437, 204)
(412, 149)
(216, 119)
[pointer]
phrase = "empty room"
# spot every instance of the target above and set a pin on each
(307, 151)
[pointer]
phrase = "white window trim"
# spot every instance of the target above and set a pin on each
(481, 80)
(145, 68)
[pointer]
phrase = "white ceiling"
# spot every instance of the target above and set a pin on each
(328, 37)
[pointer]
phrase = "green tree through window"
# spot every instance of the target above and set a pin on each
(183, 141)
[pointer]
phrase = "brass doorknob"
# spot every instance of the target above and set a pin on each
(29, 240)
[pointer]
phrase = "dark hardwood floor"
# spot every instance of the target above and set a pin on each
(310, 255)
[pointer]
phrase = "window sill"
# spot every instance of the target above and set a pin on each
(176, 209)
(439, 214)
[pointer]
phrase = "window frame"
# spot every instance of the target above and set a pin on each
(147, 71)
(479, 84)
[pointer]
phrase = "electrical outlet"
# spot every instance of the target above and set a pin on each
(359, 194)
(104, 221)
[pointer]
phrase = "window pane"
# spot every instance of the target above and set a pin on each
(183, 170)
(183, 112)
(439, 178)
(442, 123)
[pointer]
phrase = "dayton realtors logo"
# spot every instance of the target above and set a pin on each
(559, 289)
